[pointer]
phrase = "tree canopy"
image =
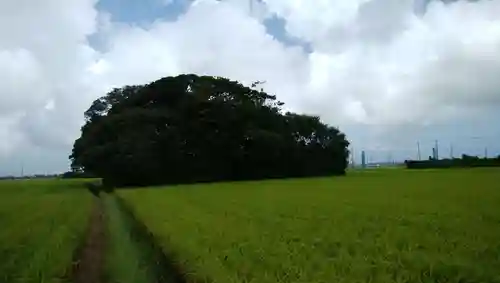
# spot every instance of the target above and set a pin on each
(193, 128)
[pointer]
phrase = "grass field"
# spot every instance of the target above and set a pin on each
(371, 226)
(41, 224)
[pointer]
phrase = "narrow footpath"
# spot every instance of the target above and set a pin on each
(88, 264)
(119, 248)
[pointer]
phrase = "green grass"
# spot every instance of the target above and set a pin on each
(41, 224)
(371, 226)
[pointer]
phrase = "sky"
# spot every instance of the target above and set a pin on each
(388, 73)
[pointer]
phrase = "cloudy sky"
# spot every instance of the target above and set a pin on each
(389, 73)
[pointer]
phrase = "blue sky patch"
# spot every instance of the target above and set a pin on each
(275, 26)
(144, 12)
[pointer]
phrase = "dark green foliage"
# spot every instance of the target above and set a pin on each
(201, 129)
(464, 162)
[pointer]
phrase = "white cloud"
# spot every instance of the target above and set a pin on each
(212, 38)
(391, 67)
(43, 50)
(374, 62)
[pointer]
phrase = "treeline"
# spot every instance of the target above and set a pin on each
(192, 128)
(464, 162)
(77, 175)
(36, 176)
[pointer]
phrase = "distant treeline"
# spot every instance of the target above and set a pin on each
(191, 128)
(66, 175)
(464, 162)
(36, 176)
(76, 174)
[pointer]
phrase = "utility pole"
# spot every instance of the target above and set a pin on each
(486, 152)
(451, 151)
(418, 149)
(437, 150)
(363, 159)
(22, 169)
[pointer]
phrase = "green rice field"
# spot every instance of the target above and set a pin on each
(370, 226)
(41, 224)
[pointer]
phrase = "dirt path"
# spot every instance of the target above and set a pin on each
(89, 261)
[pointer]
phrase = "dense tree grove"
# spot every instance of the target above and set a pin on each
(192, 128)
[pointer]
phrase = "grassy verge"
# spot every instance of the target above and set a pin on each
(132, 254)
(124, 256)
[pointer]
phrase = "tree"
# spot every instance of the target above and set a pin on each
(192, 128)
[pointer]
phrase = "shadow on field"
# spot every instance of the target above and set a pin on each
(163, 266)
